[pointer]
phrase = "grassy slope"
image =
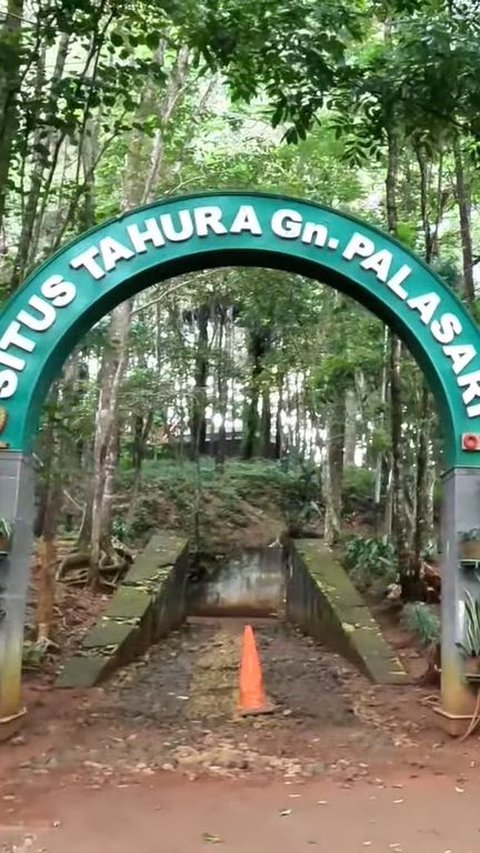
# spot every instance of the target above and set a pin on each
(250, 504)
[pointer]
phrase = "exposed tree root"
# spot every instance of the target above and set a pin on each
(74, 570)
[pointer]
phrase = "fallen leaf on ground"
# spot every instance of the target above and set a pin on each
(212, 839)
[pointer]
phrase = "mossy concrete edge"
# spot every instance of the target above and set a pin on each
(323, 602)
(149, 603)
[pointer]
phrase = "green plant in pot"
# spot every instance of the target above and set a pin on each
(470, 647)
(6, 533)
(469, 545)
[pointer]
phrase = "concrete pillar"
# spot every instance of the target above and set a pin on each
(16, 505)
(460, 512)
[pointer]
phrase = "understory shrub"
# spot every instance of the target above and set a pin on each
(371, 562)
(422, 621)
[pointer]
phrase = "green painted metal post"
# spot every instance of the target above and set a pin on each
(16, 504)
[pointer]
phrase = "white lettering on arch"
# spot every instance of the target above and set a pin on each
(395, 282)
(186, 226)
(380, 263)
(12, 338)
(359, 246)
(113, 251)
(209, 219)
(88, 262)
(13, 361)
(58, 291)
(287, 224)
(426, 305)
(317, 231)
(151, 234)
(446, 328)
(246, 219)
(471, 382)
(47, 313)
(8, 384)
(461, 356)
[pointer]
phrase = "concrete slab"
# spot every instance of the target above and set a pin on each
(84, 671)
(128, 603)
(108, 634)
(146, 607)
(322, 600)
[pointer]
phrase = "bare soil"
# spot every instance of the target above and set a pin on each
(175, 711)
(428, 815)
(157, 758)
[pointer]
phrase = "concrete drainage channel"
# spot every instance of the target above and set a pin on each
(300, 584)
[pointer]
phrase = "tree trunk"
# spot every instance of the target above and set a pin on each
(43, 152)
(423, 531)
(224, 344)
(423, 525)
(11, 36)
(333, 469)
(464, 210)
(350, 429)
(265, 424)
(198, 424)
(379, 466)
(96, 527)
(399, 516)
(258, 347)
(97, 522)
(409, 571)
(278, 421)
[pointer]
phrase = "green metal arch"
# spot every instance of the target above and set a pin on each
(317, 246)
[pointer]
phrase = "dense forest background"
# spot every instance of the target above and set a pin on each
(370, 106)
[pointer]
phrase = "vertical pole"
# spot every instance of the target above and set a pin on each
(460, 512)
(17, 506)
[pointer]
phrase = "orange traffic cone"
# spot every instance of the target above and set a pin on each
(253, 699)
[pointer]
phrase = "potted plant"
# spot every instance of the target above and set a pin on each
(6, 532)
(469, 545)
(470, 647)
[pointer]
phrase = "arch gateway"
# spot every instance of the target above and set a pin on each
(45, 319)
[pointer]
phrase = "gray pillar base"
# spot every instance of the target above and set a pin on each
(460, 512)
(9, 726)
(16, 505)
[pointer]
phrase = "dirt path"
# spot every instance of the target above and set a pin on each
(193, 675)
(428, 815)
(155, 761)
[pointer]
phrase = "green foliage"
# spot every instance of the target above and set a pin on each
(380, 440)
(470, 646)
(121, 529)
(293, 50)
(472, 535)
(6, 529)
(422, 621)
(358, 485)
(371, 562)
(338, 80)
(180, 486)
